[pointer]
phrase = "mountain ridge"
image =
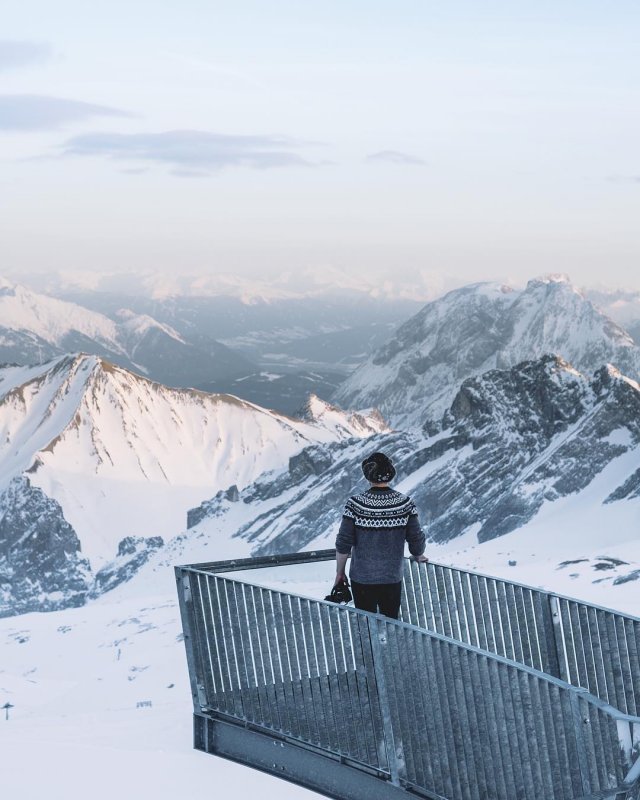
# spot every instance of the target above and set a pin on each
(412, 379)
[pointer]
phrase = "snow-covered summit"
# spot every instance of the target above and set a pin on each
(413, 377)
(121, 456)
(50, 320)
(349, 423)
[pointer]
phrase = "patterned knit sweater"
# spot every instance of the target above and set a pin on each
(375, 526)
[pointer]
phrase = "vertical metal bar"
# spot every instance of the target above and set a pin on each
(510, 614)
(570, 674)
(360, 745)
(432, 585)
(378, 644)
(483, 641)
(264, 681)
(626, 697)
(273, 664)
(495, 717)
(532, 741)
(452, 606)
(444, 681)
(374, 695)
(522, 634)
(578, 641)
(423, 578)
(545, 737)
(361, 683)
(552, 635)
(496, 616)
(185, 602)
(302, 659)
(563, 747)
(472, 627)
(206, 684)
(333, 709)
(614, 667)
(477, 725)
(582, 761)
(460, 721)
(396, 683)
(510, 722)
(445, 611)
(632, 637)
(458, 596)
(422, 734)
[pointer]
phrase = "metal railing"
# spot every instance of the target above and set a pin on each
(585, 645)
(403, 703)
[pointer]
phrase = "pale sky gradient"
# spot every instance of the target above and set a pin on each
(472, 140)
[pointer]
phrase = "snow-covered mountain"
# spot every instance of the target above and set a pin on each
(35, 328)
(414, 377)
(623, 306)
(99, 465)
(302, 282)
(537, 460)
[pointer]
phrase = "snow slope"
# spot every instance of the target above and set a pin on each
(121, 456)
(75, 678)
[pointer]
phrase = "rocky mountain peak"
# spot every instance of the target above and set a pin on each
(414, 377)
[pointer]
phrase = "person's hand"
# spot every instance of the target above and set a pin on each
(340, 578)
(422, 559)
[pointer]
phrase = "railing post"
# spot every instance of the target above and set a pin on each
(553, 636)
(395, 755)
(191, 644)
(579, 724)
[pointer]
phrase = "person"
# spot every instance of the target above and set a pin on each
(375, 526)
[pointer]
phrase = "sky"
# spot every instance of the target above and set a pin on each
(462, 141)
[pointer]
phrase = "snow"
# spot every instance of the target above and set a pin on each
(52, 320)
(126, 456)
(578, 526)
(75, 678)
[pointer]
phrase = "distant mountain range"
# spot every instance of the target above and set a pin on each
(272, 352)
(414, 376)
(34, 328)
(515, 428)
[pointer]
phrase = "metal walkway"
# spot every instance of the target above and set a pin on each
(485, 690)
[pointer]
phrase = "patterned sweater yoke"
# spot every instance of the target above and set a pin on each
(389, 509)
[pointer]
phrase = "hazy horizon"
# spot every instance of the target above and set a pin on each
(461, 142)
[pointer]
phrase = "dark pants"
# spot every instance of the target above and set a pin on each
(378, 597)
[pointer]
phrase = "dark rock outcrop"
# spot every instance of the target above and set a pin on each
(41, 566)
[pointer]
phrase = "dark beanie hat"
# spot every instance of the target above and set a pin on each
(378, 468)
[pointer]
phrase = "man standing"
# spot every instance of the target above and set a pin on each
(375, 525)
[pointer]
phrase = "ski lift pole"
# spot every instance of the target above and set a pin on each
(6, 707)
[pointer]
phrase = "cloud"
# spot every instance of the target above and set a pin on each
(190, 153)
(15, 53)
(393, 157)
(32, 112)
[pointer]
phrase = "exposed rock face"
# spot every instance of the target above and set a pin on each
(514, 440)
(41, 566)
(133, 552)
(415, 376)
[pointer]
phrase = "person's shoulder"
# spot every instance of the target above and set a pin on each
(405, 501)
(400, 496)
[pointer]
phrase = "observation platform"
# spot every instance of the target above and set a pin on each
(485, 689)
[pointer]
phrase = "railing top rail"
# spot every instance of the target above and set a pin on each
(577, 690)
(312, 556)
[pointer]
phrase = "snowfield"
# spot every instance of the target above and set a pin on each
(75, 679)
